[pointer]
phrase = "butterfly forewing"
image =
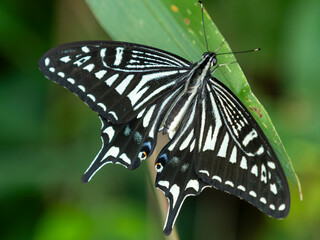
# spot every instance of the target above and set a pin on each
(244, 163)
(115, 79)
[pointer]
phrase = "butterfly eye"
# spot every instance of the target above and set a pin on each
(205, 54)
(214, 61)
(158, 167)
(142, 155)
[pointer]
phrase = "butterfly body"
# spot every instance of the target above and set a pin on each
(139, 91)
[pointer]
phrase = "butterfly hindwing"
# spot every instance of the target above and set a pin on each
(175, 166)
(115, 79)
(234, 155)
(129, 143)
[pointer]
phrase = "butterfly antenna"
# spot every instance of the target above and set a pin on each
(223, 64)
(218, 48)
(252, 50)
(204, 29)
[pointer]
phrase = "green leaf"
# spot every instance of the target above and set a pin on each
(176, 26)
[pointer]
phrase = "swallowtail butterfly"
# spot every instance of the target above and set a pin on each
(138, 91)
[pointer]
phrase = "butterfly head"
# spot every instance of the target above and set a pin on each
(210, 57)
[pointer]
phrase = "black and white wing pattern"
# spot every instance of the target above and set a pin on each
(115, 79)
(233, 153)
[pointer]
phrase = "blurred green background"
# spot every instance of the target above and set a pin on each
(48, 137)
